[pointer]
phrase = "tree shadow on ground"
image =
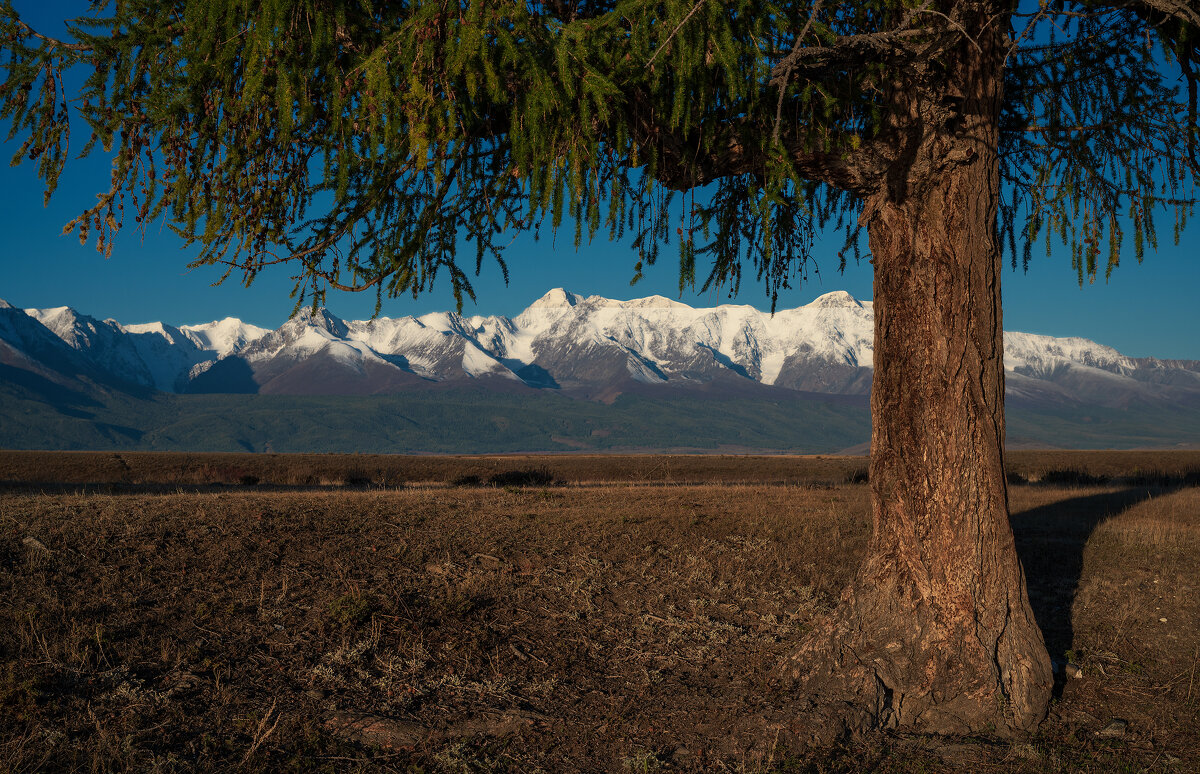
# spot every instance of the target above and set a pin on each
(1050, 541)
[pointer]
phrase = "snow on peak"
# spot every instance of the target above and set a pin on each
(838, 298)
(555, 298)
(445, 322)
(223, 337)
(476, 362)
(76, 329)
(650, 302)
(323, 319)
(564, 337)
(4, 304)
(1037, 354)
(151, 328)
(54, 316)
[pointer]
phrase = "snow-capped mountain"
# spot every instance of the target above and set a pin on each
(585, 346)
(152, 355)
(223, 337)
(28, 346)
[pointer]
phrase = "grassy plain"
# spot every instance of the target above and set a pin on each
(184, 612)
(134, 471)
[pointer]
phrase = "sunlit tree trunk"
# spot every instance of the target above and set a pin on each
(936, 632)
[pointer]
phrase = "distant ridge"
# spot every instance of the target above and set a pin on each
(585, 346)
(564, 344)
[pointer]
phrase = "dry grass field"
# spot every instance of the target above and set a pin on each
(139, 471)
(167, 612)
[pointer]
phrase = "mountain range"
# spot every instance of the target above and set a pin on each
(563, 357)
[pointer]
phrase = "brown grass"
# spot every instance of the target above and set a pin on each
(122, 470)
(389, 471)
(600, 627)
(1099, 467)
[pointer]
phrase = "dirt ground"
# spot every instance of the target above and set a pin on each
(621, 625)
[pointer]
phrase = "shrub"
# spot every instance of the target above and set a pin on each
(533, 477)
(351, 610)
(859, 476)
(358, 479)
(1070, 477)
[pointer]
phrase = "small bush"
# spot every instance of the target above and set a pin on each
(1070, 477)
(1163, 479)
(351, 610)
(859, 476)
(533, 477)
(467, 481)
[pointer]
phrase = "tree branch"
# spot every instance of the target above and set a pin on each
(846, 48)
(850, 47)
(1178, 10)
(31, 32)
(789, 68)
(678, 27)
(859, 172)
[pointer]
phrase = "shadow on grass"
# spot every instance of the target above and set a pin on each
(1050, 542)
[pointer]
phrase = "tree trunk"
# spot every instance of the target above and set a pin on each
(935, 634)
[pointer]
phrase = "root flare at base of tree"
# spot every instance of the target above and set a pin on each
(878, 665)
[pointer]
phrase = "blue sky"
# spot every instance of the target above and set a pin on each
(1147, 309)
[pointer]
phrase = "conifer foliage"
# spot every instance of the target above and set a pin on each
(364, 142)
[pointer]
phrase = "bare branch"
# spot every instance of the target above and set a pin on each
(953, 23)
(31, 32)
(850, 47)
(678, 27)
(846, 48)
(1178, 10)
(789, 68)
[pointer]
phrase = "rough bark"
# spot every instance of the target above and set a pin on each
(935, 634)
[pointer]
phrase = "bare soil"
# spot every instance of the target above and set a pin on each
(628, 624)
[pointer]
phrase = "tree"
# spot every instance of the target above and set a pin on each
(361, 142)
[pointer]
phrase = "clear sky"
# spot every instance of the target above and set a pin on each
(1147, 309)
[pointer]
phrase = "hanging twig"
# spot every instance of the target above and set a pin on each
(790, 67)
(678, 26)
